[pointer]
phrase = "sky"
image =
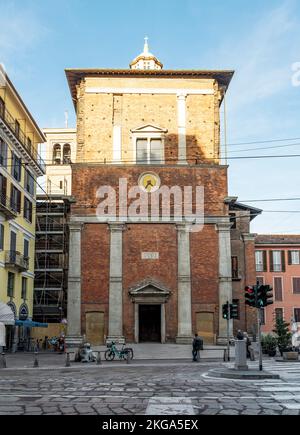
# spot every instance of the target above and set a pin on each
(259, 40)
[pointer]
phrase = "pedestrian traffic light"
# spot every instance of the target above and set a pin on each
(234, 311)
(225, 311)
(250, 296)
(260, 296)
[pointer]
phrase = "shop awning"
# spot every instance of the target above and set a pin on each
(31, 324)
(6, 314)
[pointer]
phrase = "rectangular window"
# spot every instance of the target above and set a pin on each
(277, 261)
(10, 284)
(297, 314)
(296, 286)
(29, 182)
(29, 145)
(26, 248)
(15, 199)
(278, 289)
(261, 261)
(3, 190)
(3, 153)
(156, 152)
(262, 316)
(260, 280)
(141, 151)
(294, 257)
(2, 108)
(27, 209)
(16, 167)
(24, 288)
(233, 220)
(234, 267)
(13, 241)
(278, 313)
(1, 237)
(17, 128)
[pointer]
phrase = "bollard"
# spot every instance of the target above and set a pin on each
(128, 358)
(225, 356)
(36, 361)
(99, 358)
(68, 363)
(3, 362)
(198, 355)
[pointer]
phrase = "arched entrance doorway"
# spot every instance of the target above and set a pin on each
(149, 299)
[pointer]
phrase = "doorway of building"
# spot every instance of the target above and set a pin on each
(94, 327)
(150, 323)
(205, 327)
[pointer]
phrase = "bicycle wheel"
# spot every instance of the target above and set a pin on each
(109, 355)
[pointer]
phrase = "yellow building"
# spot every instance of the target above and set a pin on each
(20, 165)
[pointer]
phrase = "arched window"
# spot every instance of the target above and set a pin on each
(67, 154)
(56, 154)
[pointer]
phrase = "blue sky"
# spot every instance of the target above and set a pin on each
(259, 40)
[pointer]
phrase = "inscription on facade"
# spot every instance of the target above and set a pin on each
(150, 255)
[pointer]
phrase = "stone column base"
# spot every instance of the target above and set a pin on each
(73, 341)
(223, 340)
(184, 339)
(118, 339)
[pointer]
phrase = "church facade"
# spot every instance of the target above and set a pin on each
(144, 133)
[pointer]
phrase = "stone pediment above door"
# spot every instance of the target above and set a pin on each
(149, 291)
(149, 128)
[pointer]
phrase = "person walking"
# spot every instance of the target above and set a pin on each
(197, 344)
(248, 344)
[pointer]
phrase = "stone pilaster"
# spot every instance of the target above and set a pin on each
(74, 285)
(181, 110)
(184, 286)
(115, 317)
(225, 278)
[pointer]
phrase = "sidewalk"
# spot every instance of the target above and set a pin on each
(144, 354)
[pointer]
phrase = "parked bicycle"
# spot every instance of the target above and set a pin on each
(122, 354)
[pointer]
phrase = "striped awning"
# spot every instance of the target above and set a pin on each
(6, 314)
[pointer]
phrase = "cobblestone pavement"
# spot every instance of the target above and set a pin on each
(161, 389)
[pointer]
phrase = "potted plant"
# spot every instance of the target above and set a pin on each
(269, 344)
(284, 338)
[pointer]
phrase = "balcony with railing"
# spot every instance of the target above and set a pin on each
(16, 260)
(6, 209)
(14, 129)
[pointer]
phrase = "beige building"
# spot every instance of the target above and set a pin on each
(59, 153)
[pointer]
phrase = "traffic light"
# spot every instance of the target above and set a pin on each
(260, 291)
(225, 311)
(267, 295)
(250, 296)
(234, 311)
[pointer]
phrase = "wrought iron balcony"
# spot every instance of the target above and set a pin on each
(5, 208)
(19, 135)
(16, 260)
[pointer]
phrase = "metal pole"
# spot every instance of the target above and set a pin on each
(3, 360)
(228, 338)
(99, 358)
(36, 361)
(68, 363)
(259, 339)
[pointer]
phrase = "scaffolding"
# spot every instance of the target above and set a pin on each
(51, 258)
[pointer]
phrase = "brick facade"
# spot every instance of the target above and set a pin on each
(189, 276)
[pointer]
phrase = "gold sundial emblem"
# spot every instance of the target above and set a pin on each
(149, 182)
